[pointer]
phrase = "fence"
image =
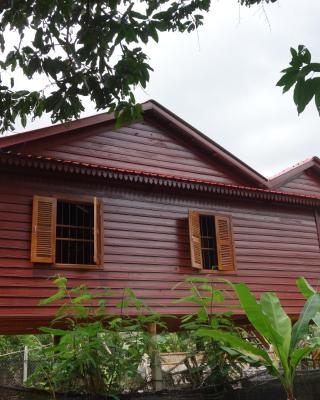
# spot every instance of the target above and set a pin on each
(17, 366)
(177, 368)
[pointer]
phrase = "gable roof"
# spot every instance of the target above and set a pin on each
(295, 170)
(158, 113)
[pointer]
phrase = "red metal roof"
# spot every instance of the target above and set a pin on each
(161, 176)
(291, 168)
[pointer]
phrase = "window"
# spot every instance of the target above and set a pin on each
(66, 231)
(211, 242)
(208, 242)
(75, 233)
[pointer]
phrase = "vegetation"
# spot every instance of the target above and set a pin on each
(15, 343)
(84, 48)
(290, 344)
(308, 291)
(102, 354)
(217, 366)
(96, 353)
(303, 75)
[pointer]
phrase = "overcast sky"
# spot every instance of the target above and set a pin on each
(222, 81)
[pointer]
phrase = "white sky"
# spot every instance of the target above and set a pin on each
(222, 81)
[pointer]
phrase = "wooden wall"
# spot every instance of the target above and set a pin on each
(146, 246)
(305, 183)
(141, 146)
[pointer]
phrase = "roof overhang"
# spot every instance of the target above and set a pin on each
(19, 160)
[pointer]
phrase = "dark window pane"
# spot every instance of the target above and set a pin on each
(75, 233)
(208, 242)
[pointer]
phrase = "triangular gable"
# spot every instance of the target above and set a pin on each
(163, 143)
(302, 178)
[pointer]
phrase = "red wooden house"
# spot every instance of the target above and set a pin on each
(143, 207)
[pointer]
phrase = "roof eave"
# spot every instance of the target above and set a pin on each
(19, 160)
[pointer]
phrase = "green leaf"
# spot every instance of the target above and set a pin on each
(300, 328)
(23, 118)
(154, 33)
(238, 344)
(306, 56)
(293, 52)
(196, 279)
(255, 314)
(280, 322)
(288, 80)
(38, 39)
(315, 67)
(53, 331)
(57, 296)
(316, 319)
(305, 288)
(298, 354)
(308, 90)
(298, 92)
(317, 99)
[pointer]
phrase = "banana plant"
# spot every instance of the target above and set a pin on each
(274, 325)
(307, 290)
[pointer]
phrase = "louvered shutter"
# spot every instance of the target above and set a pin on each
(195, 239)
(97, 231)
(225, 249)
(43, 241)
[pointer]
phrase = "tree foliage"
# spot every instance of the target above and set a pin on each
(84, 48)
(303, 76)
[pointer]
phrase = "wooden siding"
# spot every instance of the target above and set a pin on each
(305, 183)
(142, 146)
(146, 247)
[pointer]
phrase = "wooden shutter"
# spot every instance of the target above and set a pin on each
(97, 231)
(43, 240)
(225, 249)
(195, 239)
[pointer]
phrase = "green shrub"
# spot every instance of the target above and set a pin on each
(210, 362)
(96, 353)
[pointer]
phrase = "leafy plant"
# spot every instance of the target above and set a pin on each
(96, 353)
(289, 342)
(308, 291)
(217, 363)
(301, 76)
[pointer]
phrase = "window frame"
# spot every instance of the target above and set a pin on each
(218, 271)
(81, 199)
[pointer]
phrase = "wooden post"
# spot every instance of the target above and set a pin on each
(25, 363)
(155, 361)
